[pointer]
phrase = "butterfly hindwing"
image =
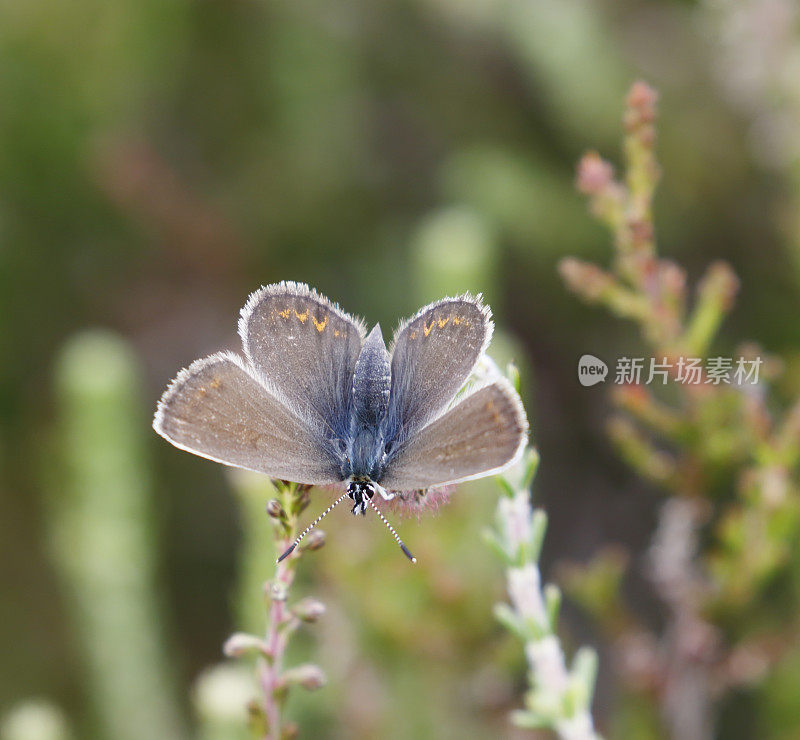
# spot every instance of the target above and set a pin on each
(480, 435)
(216, 409)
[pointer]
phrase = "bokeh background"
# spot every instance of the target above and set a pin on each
(160, 160)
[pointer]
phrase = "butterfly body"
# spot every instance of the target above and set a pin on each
(365, 450)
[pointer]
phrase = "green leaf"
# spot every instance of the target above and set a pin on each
(492, 539)
(509, 619)
(512, 373)
(552, 602)
(535, 631)
(584, 675)
(531, 466)
(505, 486)
(530, 720)
(538, 531)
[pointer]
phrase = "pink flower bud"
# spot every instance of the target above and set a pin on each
(594, 174)
(307, 675)
(314, 540)
(309, 609)
(641, 106)
(240, 643)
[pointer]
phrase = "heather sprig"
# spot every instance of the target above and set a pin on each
(559, 696)
(725, 454)
(284, 615)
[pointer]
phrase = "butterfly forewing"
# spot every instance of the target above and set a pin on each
(216, 409)
(304, 347)
(432, 356)
(480, 435)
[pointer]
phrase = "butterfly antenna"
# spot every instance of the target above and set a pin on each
(311, 526)
(400, 542)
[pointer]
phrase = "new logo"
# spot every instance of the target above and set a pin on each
(591, 370)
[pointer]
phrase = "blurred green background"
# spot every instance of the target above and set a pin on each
(160, 159)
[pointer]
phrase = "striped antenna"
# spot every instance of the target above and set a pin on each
(311, 526)
(400, 542)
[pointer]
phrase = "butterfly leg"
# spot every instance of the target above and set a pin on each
(387, 496)
(361, 491)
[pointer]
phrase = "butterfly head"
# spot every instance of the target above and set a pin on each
(361, 491)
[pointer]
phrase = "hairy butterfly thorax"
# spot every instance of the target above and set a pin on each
(371, 390)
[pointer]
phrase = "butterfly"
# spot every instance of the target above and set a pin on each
(318, 401)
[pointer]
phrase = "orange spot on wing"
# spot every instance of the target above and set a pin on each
(336, 332)
(457, 320)
(443, 322)
(216, 383)
(320, 325)
(413, 335)
(302, 316)
(428, 329)
(285, 313)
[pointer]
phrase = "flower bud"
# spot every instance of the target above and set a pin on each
(315, 540)
(275, 591)
(640, 106)
(275, 510)
(240, 643)
(585, 278)
(594, 174)
(309, 609)
(307, 675)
